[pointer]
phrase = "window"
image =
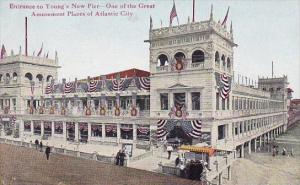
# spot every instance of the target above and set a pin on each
(195, 100)
(228, 103)
(223, 104)
(179, 99)
(147, 102)
(179, 56)
(110, 104)
(221, 132)
(28, 76)
(217, 101)
(39, 77)
(162, 60)
(217, 58)
(164, 102)
(198, 56)
(141, 103)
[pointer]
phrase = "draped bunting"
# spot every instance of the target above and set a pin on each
(92, 85)
(83, 126)
(191, 128)
(58, 124)
(69, 87)
(143, 130)
(224, 83)
(70, 125)
(144, 83)
(118, 85)
(96, 127)
(111, 128)
(49, 88)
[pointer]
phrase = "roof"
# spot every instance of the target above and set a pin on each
(133, 72)
(210, 151)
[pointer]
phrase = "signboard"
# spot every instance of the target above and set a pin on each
(127, 149)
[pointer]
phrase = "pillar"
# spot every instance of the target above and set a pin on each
(229, 172)
(103, 131)
(134, 126)
(76, 131)
(221, 178)
(65, 130)
(118, 132)
(89, 132)
(260, 141)
(255, 140)
(32, 127)
(189, 101)
(52, 128)
(42, 128)
(242, 150)
(249, 147)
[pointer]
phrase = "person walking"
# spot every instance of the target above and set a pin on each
(47, 152)
(122, 158)
(36, 142)
(118, 157)
(41, 146)
(169, 150)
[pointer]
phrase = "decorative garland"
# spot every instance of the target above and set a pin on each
(88, 111)
(52, 110)
(117, 111)
(102, 111)
(133, 111)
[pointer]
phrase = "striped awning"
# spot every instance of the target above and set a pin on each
(208, 150)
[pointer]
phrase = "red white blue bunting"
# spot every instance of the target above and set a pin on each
(145, 83)
(69, 87)
(92, 85)
(226, 88)
(49, 88)
(118, 85)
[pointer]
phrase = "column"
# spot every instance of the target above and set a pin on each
(229, 172)
(32, 128)
(103, 131)
(242, 151)
(189, 101)
(21, 129)
(260, 141)
(42, 129)
(52, 128)
(255, 140)
(118, 132)
(221, 178)
(89, 132)
(64, 130)
(171, 100)
(249, 147)
(268, 137)
(134, 126)
(76, 131)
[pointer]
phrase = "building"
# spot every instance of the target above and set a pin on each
(189, 95)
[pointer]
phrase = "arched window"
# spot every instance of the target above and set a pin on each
(162, 60)
(198, 56)
(0, 77)
(49, 78)
(15, 76)
(28, 76)
(7, 76)
(179, 56)
(39, 77)
(217, 57)
(223, 60)
(228, 63)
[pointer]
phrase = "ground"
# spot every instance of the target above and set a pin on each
(24, 166)
(261, 168)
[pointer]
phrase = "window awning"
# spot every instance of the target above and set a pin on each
(208, 150)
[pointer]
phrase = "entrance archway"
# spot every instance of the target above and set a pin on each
(177, 136)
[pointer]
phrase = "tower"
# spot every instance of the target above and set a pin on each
(186, 63)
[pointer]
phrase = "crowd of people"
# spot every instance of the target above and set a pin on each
(275, 151)
(39, 146)
(191, 169)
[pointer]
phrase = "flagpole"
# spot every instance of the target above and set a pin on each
(26, 53)
(193, 11)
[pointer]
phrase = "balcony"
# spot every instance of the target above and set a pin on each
(187, 65)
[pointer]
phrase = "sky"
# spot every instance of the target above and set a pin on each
(265, 31)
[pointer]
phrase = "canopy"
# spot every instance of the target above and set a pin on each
(208, 150)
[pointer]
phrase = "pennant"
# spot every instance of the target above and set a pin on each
(225, 18)
(3, 51)
(40, 52)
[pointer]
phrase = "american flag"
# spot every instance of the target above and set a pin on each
(173, 13)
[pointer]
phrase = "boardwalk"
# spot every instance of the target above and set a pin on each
(23, 166)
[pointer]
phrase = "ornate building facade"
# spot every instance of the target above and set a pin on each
(189, 95)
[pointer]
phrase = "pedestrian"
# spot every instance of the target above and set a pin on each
(274, 151)
(47, 152)
(283, 151)
(36, 144)
(122, 158)
(169, 150)
(41, 146)
(118, 157)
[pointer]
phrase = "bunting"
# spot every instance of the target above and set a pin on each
(50, 88)
(92, 85)
(69, 87)
(145, 83)
(226, 87)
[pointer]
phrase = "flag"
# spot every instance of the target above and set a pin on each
(40, 52)
(226, 16)
(3, 51)
(173, 13)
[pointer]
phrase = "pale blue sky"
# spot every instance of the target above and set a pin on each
(265, 31)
